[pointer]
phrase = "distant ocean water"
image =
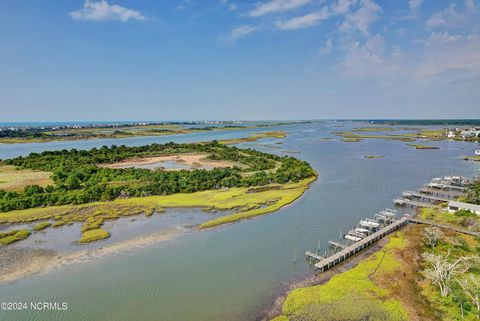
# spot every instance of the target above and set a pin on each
(63, 123)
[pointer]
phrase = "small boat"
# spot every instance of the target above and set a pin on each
(369, 224)
(356, 234)
(362, 230)
(352, 238)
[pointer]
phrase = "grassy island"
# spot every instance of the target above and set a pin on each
(352, 137)
(475, 158)
(254, 137)
(419, 146)
(92, 186)
(41, 226)
(93, 235)
(99, 131)
(13, 236)
(373, 156)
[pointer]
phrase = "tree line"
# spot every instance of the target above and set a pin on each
(78, 179)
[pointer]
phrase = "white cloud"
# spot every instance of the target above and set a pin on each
(471, 5)
(452, 54)
(442, 58)
(240, 32)
(230, 6)
(103, 11)
(362, 18)
(365, 59)
(343, 6)
(273, 6)
(327, 49)
(446, 18)
(305, 21)
(415, 4)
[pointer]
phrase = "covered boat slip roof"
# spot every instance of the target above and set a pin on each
(466, 206)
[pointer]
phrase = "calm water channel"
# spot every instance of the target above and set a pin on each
(232, 272)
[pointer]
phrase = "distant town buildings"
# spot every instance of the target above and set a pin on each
(463, 133)
(473, 132)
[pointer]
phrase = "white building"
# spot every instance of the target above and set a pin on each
(451, 134)
(470, 133)
(454, 206)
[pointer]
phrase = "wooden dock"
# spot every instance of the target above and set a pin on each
(412, 203)
(324, 264)
(311, 255)
(448, 187)
(337, 245)
(440, 192)
(429, 197)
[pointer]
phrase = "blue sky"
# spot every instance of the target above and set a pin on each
(228, 59)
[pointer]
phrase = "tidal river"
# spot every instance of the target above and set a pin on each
(233, 272)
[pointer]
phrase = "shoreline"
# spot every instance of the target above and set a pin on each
(46, 260)
(274, 308)
(33, 263)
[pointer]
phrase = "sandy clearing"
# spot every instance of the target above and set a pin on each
(194, 161)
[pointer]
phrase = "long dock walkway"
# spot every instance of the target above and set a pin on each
(448, 227)
(326, 263)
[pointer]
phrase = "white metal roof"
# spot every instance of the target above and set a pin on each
(467, 206)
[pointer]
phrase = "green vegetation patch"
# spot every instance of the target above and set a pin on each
(352, 137)
(351, 295)
(351, 140)
(41, 226)
(473, 195)
(255, 137)
(420, 146)
(267, 201)
(93, 235)
(13, 236)
(247, 202)
(461, 219)
(457, 305)
(475, 158)
(92, 223)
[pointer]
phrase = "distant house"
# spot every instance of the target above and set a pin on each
(454, 206)
(451, 134)
(470, 133)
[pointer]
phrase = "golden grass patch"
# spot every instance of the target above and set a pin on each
(14, 179)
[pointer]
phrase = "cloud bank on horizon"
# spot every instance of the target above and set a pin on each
(331, 58)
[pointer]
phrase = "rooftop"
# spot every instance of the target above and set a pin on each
(467, 206)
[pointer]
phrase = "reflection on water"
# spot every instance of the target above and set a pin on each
(231, 272)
